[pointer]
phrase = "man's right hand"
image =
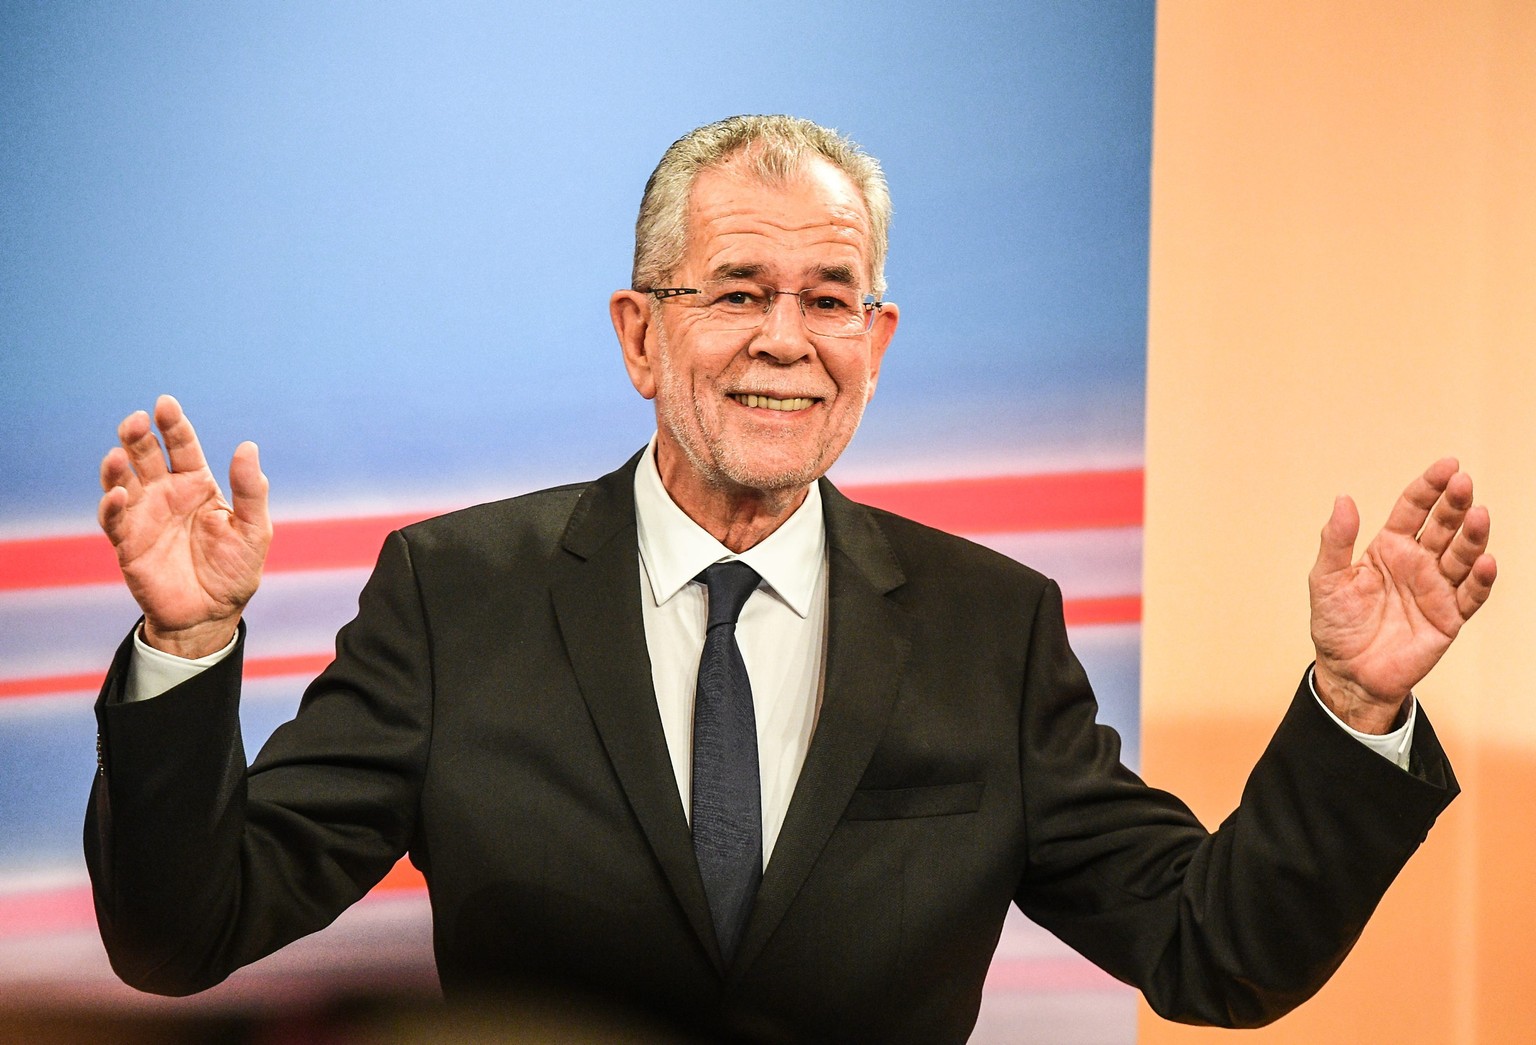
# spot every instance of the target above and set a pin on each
(191, 559)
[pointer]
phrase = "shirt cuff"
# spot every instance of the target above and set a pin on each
(152, 672)
(1393, 746)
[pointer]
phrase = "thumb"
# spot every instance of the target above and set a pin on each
(1336, 550)
(248, 492)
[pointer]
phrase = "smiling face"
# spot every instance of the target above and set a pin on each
(764, 411)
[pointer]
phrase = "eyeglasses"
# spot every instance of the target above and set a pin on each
(831, 310)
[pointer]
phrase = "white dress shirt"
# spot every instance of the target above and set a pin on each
(782, 633)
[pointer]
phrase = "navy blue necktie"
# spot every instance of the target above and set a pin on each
(727, 817)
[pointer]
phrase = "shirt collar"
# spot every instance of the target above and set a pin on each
(674, 548)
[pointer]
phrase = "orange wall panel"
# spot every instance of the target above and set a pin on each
(1343, 288)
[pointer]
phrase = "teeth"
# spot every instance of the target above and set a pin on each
(768, 403)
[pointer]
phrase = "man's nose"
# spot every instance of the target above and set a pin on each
(783, 335)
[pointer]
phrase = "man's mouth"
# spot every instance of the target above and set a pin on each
(769, 403)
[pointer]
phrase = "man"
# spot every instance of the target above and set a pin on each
(515, 703)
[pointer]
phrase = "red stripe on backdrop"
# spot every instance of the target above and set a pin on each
(44, 912)
(1114, 609)
(56, 562)
(1015, 503)
(305, 544)
(48, 685)
(995, 504)
(39, 912)
(307, 665)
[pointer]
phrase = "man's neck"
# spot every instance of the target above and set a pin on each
(738, 517)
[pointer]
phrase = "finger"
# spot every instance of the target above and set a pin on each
(143, 449)
(1412, 508)
(111, 511)
(180, 440)
(1473, 592)
(1336, 550)
(248, 489)
(117, 471)
(1470, 543)
(1449, 511)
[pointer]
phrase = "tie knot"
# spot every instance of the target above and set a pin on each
(729, 584)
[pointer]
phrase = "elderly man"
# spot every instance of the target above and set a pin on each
(706, 738)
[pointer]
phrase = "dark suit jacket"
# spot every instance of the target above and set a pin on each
(490, 712)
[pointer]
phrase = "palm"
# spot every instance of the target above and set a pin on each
(1380, 624)
(190, 559)
(1389, 616)
(184, 556)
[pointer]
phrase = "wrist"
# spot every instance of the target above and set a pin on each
(193, 641)
(1356, 707)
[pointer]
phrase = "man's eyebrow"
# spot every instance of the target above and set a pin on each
(840, 274)
(734, 271)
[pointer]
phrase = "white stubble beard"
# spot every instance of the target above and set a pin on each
(718, 463)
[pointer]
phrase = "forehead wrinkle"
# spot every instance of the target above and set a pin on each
(741, 228)
(744, 220)
(836, 248)
(841, 218)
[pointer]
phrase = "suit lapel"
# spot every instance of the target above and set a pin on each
(867, 647)
(596, 603)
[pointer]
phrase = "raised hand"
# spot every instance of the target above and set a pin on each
(191, 559)
(1381, 623)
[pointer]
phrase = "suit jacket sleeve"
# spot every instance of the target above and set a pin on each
(1233, 928)
(199, 867)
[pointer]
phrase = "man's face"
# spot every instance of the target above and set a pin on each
(811, 388)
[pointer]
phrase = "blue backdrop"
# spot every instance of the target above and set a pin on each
(379, 239)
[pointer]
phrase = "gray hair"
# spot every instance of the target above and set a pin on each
(775, 148)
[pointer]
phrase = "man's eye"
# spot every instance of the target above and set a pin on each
(736, 299)
(829, 303)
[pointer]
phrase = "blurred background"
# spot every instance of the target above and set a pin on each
(379, 239)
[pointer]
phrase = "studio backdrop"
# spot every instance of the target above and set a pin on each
(379, 240)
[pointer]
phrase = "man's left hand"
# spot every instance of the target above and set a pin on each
(1381, 623)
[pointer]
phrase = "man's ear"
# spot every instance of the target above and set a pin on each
(630, 311)
(880, 335)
